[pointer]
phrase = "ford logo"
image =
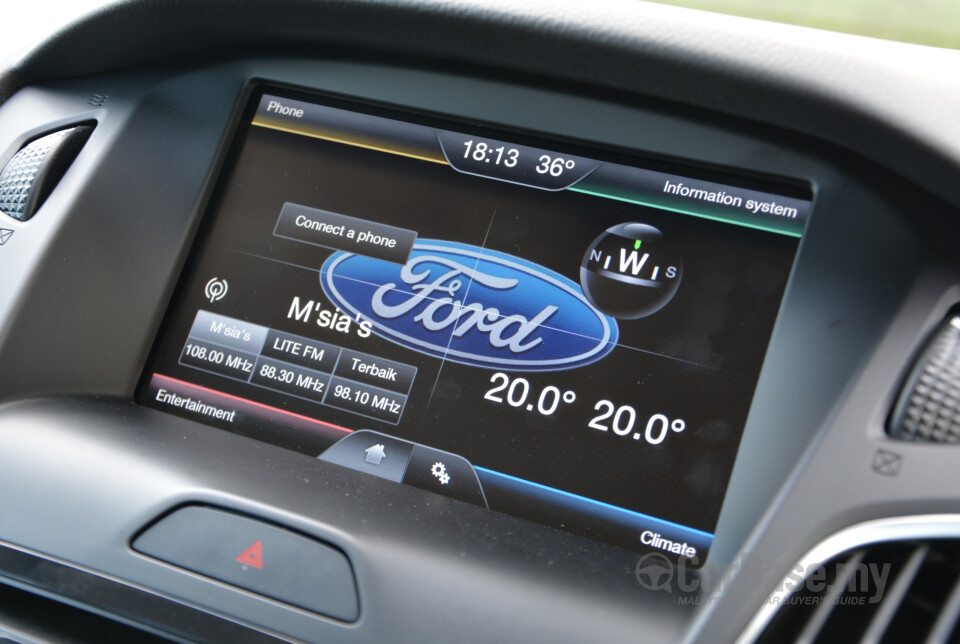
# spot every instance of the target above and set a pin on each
(473, 306)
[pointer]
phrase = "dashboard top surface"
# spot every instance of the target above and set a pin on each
(890, 101)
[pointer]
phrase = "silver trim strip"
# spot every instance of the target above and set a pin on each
(822, 614)
(893, 598)
(931, 526)
(944, 625)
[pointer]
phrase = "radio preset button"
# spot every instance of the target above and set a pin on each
(214, 358)
(365, 399)
(312, 354)
(373, 370)
(228, 332)
(290, 379)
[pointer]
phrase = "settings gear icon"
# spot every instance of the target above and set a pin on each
(439, 470)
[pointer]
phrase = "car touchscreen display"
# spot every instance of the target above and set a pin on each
(568, 336)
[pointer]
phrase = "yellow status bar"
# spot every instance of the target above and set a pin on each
(350, 138)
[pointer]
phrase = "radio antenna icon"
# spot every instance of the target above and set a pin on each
(216, 289)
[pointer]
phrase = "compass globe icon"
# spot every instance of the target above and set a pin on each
(631, 271)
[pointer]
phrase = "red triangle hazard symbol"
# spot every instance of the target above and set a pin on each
(252, 556)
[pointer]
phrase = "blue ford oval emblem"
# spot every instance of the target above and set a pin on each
(471, 305)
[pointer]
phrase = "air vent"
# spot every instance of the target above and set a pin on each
(904, 591)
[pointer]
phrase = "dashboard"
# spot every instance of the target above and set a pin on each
(407, 321)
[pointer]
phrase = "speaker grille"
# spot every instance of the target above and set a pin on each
(929, 405)
(34, 171)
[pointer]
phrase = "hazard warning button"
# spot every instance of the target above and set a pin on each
(256, 556)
